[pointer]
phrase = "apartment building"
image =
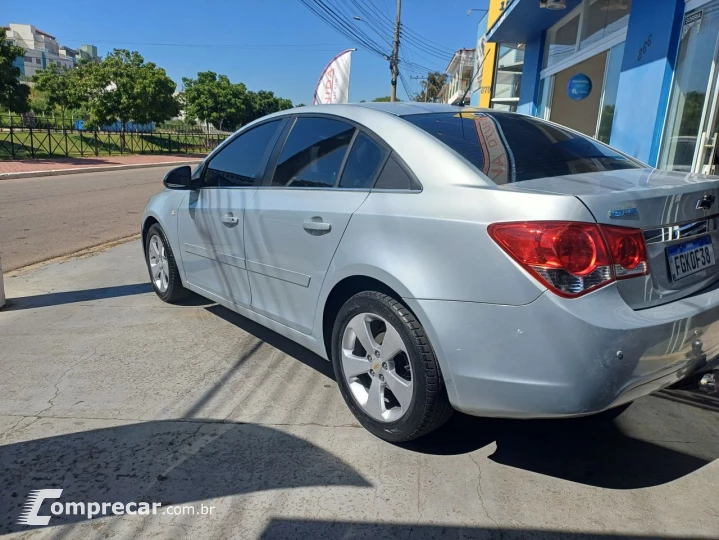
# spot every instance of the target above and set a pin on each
(43, 50)
(459, 72)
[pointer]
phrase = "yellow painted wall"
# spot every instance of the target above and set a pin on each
(490, 51)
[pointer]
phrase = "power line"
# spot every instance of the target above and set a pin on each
(350, 28)
(309, 47)
(330, 17)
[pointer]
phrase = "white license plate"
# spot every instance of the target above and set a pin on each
(690, 257)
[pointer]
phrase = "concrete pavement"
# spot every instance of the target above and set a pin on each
(42, 218)
(112, 395)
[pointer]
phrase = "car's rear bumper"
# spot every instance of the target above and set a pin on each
(561, 357)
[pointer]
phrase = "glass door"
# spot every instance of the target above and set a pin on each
(690, 134)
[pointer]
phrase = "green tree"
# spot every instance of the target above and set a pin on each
(39, 102)
(213, 99)
(264, 102)
(13, 94)
(123, 87)
(431, 86)
(57, 87)
(382, 99)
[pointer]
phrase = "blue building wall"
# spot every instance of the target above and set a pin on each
(20, 63)
(645, 82)
(529, 91)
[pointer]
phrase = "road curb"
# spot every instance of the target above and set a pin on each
(100, 168)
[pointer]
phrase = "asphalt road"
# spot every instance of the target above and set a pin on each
(46, 217)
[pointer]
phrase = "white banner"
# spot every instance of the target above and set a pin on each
(334, 83)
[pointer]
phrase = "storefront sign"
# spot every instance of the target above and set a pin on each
(692, 20)
(579, 87)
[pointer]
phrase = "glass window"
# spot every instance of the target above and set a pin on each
(545, 97)
(689, 90)
(603, 17)
(562, 42)
(37, 61)
(508, 78)
(393, 176)
(513, 148)
(363, 163)
(313, 153)
(611, 84)
(243, 159)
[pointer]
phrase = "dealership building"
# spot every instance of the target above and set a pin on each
(641, 75)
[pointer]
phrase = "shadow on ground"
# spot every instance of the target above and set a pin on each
(347, 530)
(88, 295)
(591, 451)
(171, 462)
(595, 453)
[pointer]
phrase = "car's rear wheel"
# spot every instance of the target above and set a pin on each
(386, 368)
(161, 264)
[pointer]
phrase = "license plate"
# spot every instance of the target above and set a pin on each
(690, 257)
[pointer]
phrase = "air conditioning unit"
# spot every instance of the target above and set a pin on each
(553, 4)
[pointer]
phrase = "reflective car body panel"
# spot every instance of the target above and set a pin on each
(507, 345)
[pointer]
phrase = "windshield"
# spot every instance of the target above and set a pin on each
(510, 147)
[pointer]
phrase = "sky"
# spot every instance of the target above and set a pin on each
(276, 45)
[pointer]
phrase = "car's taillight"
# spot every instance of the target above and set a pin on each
(573, 258)
(628, 251)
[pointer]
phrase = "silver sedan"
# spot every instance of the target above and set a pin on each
(450, 258)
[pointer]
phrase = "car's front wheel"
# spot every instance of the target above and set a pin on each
(386, 368)
(161, 264)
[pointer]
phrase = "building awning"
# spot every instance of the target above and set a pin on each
(523, 20)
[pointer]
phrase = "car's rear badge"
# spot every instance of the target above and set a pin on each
(623, 212)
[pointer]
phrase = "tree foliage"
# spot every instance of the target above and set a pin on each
(212, 98)
(123, 87)
(57, 87)
(13, 94)
(432, 86)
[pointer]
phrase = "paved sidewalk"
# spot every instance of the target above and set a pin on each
(112, 395)
(29, 167)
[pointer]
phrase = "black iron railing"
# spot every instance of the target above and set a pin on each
(31, 138)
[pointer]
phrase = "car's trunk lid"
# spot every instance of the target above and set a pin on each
(671, 208)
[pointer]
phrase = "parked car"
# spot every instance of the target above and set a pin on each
(449, 258)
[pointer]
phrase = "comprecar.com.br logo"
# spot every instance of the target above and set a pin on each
(30, 512)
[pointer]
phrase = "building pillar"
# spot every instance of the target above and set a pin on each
(645, 81)
(529, 91)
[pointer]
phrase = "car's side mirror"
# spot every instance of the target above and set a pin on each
(179, 178)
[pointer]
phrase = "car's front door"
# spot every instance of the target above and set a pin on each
(211, 224)
(294, 225)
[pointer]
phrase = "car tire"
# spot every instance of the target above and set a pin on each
(161, 265)
(395, 419)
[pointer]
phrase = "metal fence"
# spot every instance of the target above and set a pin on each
(23, 138)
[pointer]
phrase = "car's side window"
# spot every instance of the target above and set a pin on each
(244, 159)
(313, 153)
(393, 176)
(363, 163)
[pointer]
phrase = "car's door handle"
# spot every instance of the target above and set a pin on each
(229, 219)
(312, 226)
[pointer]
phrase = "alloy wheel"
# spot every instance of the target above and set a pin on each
(376, 367)
(159, 267)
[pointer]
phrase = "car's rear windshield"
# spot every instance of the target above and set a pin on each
(510, 147)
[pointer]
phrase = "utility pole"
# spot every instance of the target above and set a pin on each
(394, 60)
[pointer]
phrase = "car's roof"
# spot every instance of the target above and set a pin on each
(410, 107)
(403, 108)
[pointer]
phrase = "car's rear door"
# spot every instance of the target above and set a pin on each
(294, 224)
(211, 224)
